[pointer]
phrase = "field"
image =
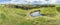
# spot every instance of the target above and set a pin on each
(15, 16)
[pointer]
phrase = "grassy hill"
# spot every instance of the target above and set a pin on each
(15, 16)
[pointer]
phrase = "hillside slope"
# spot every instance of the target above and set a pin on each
(14, 16)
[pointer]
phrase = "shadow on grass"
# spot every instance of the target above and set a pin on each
(21, 14)
(58, 9)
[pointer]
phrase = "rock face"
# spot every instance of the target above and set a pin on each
(35, 13)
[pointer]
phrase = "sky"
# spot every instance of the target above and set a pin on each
(29, 1)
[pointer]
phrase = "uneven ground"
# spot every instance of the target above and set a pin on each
(14, 16)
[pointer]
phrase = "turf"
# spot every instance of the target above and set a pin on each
(15, 16)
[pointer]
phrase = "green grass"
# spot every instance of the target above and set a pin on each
(14, 16)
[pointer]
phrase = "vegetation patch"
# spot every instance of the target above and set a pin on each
(58, 9)
(21, 14)
(3, 16)
(17, 16)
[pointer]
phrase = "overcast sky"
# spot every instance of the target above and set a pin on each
(30, 1)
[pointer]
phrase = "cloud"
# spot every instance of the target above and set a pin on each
(48, 1)
(32, 1)
(58, 2)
